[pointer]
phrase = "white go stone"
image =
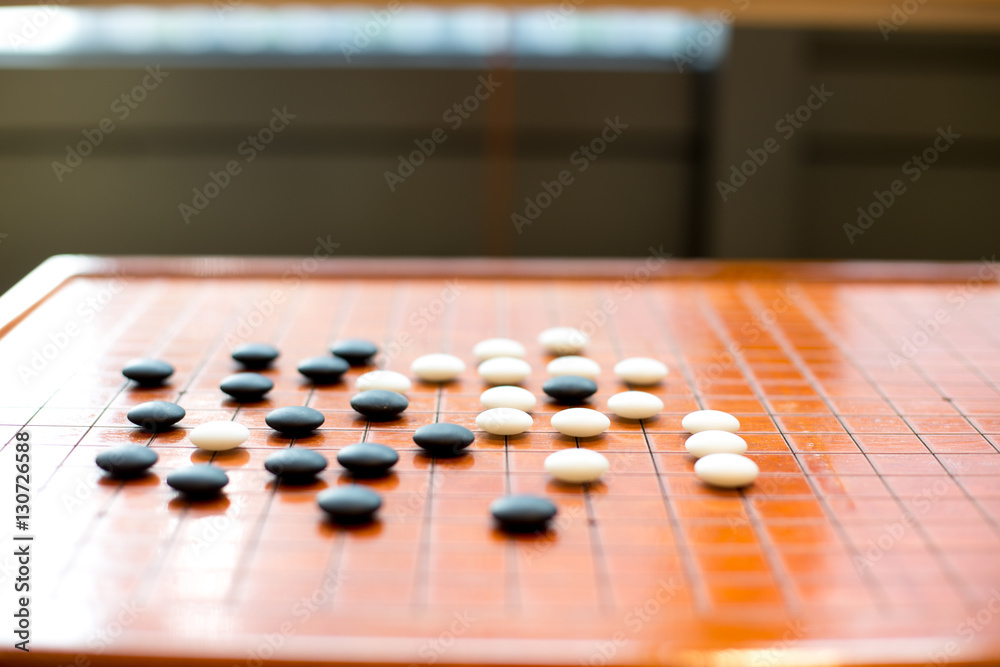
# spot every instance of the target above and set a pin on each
(576, 466)
(710, 420)
(580, 422)
(641, 370)
(635, 405)
(437, 367)
(504, 421)
(507, 396)
(504, 370)
(563, 340)
(729, 471)
(388, 380)
(219, 436)
(704, 443)
(574, 365)
(498, 347)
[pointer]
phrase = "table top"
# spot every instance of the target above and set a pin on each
(868, 393)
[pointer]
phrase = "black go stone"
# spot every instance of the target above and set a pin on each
(323, 370)
(443, 440)
(349, 504)
(523, 513)
(355, 351)
(246, 387)
(379, 404)
(256, 356)
(127, 461)
(148, 372)
(198, 481)
(570, 389)
(295, 419)
(295, 465)
(156, 416)
(367, 459)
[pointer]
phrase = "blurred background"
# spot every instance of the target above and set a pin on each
(731, 129)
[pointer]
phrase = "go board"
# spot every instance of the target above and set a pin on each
(869, 395)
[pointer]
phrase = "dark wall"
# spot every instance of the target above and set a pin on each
(325, 174)
(890, 103)
(656, 184)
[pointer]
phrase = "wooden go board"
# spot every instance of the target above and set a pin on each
(869, 395)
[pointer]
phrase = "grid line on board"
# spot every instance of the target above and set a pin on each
(153, 570)
(691, 571)
(512, 583)
(99, 516)
(249, 549)
(687, 565)
(405, 574)
(601, 568)
(946, 566)
(750, 296)
(710, 314)
(421, 584)
(119, 330)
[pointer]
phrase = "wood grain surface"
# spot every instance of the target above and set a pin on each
(869, 395)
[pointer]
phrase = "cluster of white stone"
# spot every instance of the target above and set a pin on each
(506, 406)
(718, 449)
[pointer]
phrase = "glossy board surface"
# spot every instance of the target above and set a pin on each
(871, 405)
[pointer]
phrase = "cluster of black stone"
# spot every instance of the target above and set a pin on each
(132, 461)
(249, 387)
(297, 465)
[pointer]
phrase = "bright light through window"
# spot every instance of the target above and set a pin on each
(348, 34)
